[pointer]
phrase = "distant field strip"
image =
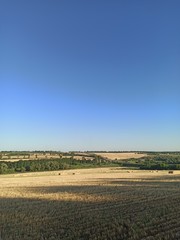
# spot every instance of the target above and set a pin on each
(51, 157)
(120, 156)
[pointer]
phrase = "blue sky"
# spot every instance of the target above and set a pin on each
(89, 75)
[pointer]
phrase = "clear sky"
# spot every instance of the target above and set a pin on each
(89, 75)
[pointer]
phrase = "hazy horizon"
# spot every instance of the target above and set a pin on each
(83, 150)
(102, 75)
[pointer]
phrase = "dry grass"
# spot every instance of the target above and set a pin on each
(107, 203)
(121, 156)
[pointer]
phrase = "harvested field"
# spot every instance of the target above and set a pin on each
(121, 156)
(104, 203)
(77, 157)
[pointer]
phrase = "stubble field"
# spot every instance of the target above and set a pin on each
(121, 156)
(104, 203)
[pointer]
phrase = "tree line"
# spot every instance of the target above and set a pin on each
(51, 165)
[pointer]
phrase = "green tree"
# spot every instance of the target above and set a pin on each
(3, 168)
